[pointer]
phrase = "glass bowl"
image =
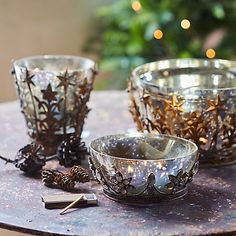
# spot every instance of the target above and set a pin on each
(143, 168)
(190, 98)
(54, 91)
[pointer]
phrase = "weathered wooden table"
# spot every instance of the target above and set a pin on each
(209, 208)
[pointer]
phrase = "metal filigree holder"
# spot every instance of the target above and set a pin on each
(141, 181)
(147, 193)
(206, 116)
(53, 92)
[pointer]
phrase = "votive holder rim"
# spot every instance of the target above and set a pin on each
(96, 152)
(151, 66)
(91, 63)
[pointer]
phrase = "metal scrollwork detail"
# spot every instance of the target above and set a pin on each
(57, 110)
(179, 181)
(211, 126)
(120, 184)
(120, 187)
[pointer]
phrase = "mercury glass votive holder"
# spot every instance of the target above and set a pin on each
(189, 98)
(53, 92)
(143, 168)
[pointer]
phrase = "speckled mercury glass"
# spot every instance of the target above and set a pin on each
(54, 91)
(190, 98)
(143, 168)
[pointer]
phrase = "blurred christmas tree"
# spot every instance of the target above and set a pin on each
(134, 32)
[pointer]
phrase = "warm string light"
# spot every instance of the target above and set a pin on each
(210, 53)
(136, 6)
(158, 34)
(185, 24)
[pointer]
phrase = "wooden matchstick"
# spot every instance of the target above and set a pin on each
(71, 205)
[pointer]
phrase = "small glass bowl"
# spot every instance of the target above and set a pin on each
(143, 168)
(190, 98)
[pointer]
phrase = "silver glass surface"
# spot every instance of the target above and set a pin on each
(143, 167)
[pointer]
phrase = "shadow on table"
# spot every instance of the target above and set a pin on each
(201, 204)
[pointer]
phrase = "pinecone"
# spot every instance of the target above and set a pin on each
(29, 160)
(65, 181)
(71, 151)
(79, 174)
(48, 177)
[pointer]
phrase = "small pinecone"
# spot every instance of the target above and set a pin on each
(71, 151)
(79, 174)
(29, 160)
(48, 177)
(64, 181)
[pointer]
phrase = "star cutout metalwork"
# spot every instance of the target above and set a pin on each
(174, 105)
(28, 77)
(65, 79)
(48, 94)
(217, 105)
(84, 86)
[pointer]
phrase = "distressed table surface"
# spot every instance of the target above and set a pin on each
(209, 208)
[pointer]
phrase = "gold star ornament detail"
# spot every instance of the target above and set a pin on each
(174, 105)
(216, 105)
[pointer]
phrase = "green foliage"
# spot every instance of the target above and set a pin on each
(124, 38)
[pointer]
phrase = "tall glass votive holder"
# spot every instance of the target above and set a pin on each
(53, 92)
(189, 98)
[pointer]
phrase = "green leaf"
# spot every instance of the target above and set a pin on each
(124, 38)
(185, 54)
(166, 17)
(113, 64)
(218, 11)
(134, 48)
(151, 27)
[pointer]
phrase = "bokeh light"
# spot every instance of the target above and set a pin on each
(210, 53)
(158, 34)
(185, 24)
(136, 6)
